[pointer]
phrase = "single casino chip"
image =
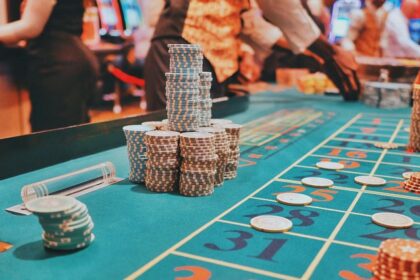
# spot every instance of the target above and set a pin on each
(294, 199)
(385, 145)
(317, 182)
(51, 204)
(392, 220)
(329, 165)
(370, 181)
(270, 223)
(407, 175)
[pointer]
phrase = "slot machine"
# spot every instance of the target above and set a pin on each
(132, 15)
(340, 18)
(111, 22)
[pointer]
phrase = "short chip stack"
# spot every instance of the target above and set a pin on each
(413, 183)
(199, 161)
(205, 99)
(182, 87)
(163, 160)
(66, 222)
(398, 259)
(136, 151)
(233, 131)
(414, 143)
(222, 151)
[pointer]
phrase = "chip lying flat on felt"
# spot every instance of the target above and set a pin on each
(370, 181)
(294, 199)
(317, 182)
(385, 145)
(270, 223)
(392, 220)
(329, 165)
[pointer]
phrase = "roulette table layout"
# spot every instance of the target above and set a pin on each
(145, 235)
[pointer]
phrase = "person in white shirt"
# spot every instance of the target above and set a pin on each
(366, 27)
(293, 39)
(396, 41)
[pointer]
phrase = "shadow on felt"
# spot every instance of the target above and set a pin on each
(36, 251)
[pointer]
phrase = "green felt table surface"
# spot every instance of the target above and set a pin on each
(168, 236)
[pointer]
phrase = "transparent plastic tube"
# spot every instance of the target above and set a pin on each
(71, 183)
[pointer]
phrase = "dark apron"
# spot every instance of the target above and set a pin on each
(62, 78)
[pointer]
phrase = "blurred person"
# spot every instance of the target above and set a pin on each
(396, 40)
(215, 25)
(366, 28)
(61, 71)
(270, 47)
(319, 13)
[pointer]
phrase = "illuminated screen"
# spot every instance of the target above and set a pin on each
(132, 14)
(110, 17)
(340, 27)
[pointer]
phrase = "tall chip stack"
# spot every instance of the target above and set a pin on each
(183, 87)
(233, 131)
(398, 259)
(136, 148)
(222, 151)
(163, 160)
(414, 142)
(205, 102)
(199, 161)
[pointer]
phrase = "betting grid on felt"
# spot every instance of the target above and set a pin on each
(333, 238)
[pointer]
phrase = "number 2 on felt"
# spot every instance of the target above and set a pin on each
(325, 195)
(396, 203)
(411, 233)
(294, 214)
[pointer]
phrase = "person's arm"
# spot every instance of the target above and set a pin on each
(398, 34)
(357, 21)
(302, 34)
(293, 20)
(254, 23)
(32, 23)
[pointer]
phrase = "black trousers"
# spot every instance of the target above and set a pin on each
(157, 64)
(61, 79)
(284, 58)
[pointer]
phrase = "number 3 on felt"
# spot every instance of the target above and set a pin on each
(198, 273)
(241, 241)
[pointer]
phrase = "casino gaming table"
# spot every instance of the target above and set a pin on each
(147, 235)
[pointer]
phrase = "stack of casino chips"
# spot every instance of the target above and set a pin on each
(199, 160)
(66, 222)
(233, 131)
(182, 87)
(413, 184)
(156, 125)
(414, 142)
(398, 259)
(222, 151)
(136, 148)
(205, 99)
(163, 160)
(218, 122)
